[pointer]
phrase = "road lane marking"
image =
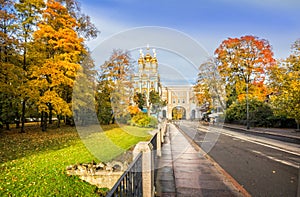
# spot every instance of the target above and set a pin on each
(255, 141)
(275, 159)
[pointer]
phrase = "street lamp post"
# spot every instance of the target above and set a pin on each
(247, 103)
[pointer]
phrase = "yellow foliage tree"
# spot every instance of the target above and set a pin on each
(285, 80)
(60, 51)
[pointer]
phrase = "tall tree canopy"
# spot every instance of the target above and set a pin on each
(61, 50)
(243, 61)
(41, 50)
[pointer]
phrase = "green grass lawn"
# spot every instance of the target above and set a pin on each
(34, 163)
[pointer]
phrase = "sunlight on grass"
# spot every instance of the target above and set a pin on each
(40, 171)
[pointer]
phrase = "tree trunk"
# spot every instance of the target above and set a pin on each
(50, 114)
(148, 110)
(1, 120)
(298, 127)
(23, 117)
(44, 124)
(17, 120)
(42, 119)
(58, 121)
(113, 120)
(69, 121)
(7, 125)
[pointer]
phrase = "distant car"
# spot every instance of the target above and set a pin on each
(29, 120)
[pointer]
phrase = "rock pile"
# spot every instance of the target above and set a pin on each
(103, 175)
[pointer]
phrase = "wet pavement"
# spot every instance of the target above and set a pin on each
(185, 171)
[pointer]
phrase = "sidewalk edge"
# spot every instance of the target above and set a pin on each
(235, 184)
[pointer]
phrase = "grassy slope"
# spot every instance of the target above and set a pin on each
(33, 164)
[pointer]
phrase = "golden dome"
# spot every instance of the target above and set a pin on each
(141, 60)
(148, 57)
(154, 60)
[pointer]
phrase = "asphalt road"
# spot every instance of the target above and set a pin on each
(264, 167)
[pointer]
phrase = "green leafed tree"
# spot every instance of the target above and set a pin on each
(155, 101)
(285, 80)
(10, 72)
(103, 102)
(140, 100)
(114, 79)
(83, 93)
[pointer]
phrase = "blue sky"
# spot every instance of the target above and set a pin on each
(207, 21)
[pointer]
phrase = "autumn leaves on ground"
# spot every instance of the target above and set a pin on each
(34, 163)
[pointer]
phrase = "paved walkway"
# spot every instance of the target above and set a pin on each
(184, 171)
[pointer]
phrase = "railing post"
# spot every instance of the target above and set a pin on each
(162, 131)
(147, 167)
(158, 143)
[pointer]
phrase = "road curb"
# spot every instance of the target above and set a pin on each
(234, 183)
(253, 131)
(262, 132)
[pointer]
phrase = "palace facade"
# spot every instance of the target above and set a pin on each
(180, 98)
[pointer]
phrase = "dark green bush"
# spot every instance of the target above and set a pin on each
(260, 115)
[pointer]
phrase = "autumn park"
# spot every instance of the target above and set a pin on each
(44, 55)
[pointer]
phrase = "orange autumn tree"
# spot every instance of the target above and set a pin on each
(60, 51)
(244, 61)
(133, 110)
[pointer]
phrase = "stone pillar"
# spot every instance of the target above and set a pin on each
(147, 167)
(162, 133)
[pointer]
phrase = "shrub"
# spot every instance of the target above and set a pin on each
(143, 120)
(260, 113)
(123, 119)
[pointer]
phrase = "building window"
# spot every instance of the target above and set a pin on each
(178, 100)
(174, 101)
(183, 101)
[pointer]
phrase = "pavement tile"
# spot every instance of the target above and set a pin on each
(189, 192)
(213, 184)
(166, 187)
(217, 193)
(195, 175)
(208, 177)
(188, 183)
(189, 170)
(168, 194)
(165, 164)
(166, 169)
